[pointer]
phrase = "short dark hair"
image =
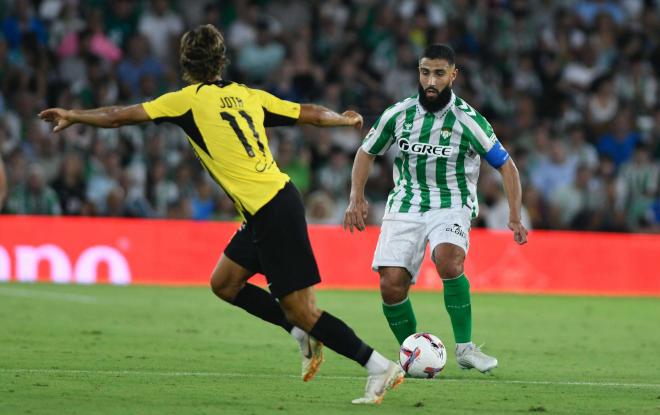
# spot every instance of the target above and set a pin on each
(203, 54)
(440, 51)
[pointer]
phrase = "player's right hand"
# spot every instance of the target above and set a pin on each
(58, 116)
(354, 119)
(519, 232)
(356, 213)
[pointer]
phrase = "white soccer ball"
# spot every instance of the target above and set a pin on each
(422, 355)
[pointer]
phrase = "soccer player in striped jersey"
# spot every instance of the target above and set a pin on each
(225, 123)
(440, 140)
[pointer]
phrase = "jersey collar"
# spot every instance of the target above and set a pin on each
(439, 113)
(220, 83)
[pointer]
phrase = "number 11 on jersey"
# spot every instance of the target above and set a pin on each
(241, 135)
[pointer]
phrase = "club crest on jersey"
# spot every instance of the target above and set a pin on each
(445, 133)
(425, 149)
(407, 127)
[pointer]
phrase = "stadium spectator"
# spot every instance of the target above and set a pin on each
(555, 170)
(121, 19)
(34, 197)
(578, 146)
(90, 40)
(335, 176)
(70, 184)
(20, 23)
(321, 208)
(3, 184)
(243, 30)
(294, 164)
(162, 27)
(620, 143)
(573, 204)
(203, 202)
(139, 63)
(64, 19)
(161, 191)
(638, 184)
(258, 59)
(603, 104)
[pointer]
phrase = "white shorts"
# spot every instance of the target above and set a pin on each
(403, 237)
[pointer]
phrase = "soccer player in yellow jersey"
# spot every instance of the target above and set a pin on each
(225, 124)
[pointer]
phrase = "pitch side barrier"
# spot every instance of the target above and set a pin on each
(166, 252)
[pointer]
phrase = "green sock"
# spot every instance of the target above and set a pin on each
(401, 319)
(457, 303)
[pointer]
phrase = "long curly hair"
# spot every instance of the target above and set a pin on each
(202, 54)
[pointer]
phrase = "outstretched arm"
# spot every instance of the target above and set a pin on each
(358, 207)
(106, 117)
(513, 191)
(321, 116)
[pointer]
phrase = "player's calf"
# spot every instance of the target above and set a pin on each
(300, 309)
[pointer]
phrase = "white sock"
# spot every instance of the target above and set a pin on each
(298, 333)
(377, 364)
(462, 347)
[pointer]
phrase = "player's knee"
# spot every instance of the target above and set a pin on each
(223, 288)
(451, 268)
(392, 291)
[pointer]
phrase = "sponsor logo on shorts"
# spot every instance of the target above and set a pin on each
(457, 229)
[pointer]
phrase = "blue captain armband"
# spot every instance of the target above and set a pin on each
(497, 155)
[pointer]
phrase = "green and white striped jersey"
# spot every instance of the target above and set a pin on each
(438, 154)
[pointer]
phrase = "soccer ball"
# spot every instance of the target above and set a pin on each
(422, 355)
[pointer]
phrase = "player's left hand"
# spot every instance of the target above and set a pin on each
(354, 118)
(519, 232)
(58, 116)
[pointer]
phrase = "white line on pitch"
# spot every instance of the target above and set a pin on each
(261, 375)
(47, 295)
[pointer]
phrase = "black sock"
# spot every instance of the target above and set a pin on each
(335, 334)
(260, 303)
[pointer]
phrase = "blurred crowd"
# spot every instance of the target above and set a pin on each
(570, 87)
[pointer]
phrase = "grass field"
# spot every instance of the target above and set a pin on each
(158, 350)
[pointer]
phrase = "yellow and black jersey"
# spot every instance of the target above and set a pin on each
(225, 123)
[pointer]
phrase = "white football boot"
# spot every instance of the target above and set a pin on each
(473, 358)
(312, 356)
(377, 385)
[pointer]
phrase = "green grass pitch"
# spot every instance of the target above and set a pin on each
(176, 350)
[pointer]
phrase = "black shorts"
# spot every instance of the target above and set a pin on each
(274, 242)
